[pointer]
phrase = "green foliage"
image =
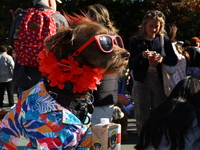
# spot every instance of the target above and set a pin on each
(185, 14)
(127, 14)
(6, 17)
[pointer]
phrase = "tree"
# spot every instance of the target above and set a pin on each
(127, 14)
(185, 14)
(6, 17)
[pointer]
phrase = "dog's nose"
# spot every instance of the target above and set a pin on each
(126, 55)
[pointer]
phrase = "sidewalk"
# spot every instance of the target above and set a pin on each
(132, 133)
(6, 104)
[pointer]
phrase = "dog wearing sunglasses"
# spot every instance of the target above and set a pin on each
(55, 113)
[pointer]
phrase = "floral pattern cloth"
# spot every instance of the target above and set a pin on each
(39, 122)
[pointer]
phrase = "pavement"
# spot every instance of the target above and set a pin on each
(132, 132)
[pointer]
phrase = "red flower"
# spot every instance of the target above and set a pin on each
(68, 71)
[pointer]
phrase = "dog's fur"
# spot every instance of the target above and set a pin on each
(117, 113)
(123, 121)
(68, 40)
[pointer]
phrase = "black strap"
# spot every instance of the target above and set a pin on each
(79, 107)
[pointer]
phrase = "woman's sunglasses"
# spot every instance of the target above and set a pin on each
(105, 43)
(152, 14)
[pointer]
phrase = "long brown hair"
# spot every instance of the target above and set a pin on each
(147, 18)
(102, 16)
(171, 29)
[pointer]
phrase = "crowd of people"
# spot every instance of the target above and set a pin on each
(166, 106)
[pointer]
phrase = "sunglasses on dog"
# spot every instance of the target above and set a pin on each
(105, 43)
(152, 14)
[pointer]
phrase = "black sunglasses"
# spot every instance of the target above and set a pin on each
(152, 14)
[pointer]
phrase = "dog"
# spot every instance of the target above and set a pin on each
(55, 113)
(120, 115)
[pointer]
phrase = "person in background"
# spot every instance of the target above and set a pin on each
(175, 124)
(24, 76)
(180, 73)
(186, 45)
(6, 75)
(99, 13)
(194, 52)
(147, 73)
(107, 92)
(181, 50)
(14, 56)
(122, 82)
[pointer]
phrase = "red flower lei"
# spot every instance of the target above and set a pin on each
(68, 71)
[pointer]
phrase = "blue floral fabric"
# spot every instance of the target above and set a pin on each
(39, 122)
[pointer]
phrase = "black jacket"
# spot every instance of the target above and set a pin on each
(107, 91)
(194, 57)
(139, 65)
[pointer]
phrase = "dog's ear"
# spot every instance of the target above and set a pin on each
(60, 43)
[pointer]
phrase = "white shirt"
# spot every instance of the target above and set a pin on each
(6, 67)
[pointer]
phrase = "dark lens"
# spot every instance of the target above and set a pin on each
(159, 15)
(151, 14)
(106, 43)
(119, 42)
